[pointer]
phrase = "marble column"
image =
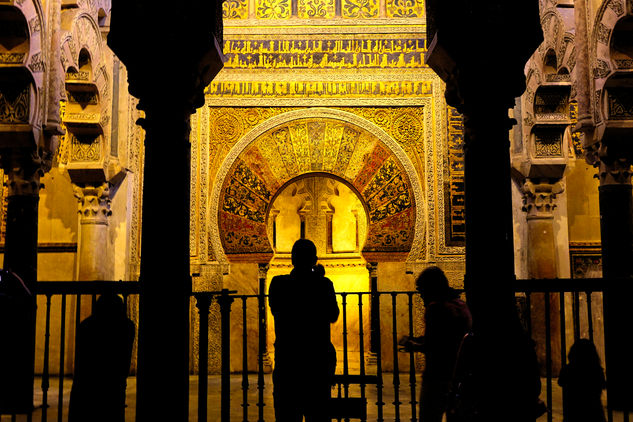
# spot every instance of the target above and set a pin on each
(94, 213)
(374, 310)
(24, 170)
(265, 362)
(539, 202)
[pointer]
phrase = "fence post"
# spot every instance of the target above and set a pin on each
(225, 301)
(262, 336)
(374, 312)
(203, 303)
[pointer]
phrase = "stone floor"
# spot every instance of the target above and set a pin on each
(389, 410)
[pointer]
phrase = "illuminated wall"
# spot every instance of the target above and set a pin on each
(327, 88)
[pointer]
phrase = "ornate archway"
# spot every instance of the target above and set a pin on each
(315, 141)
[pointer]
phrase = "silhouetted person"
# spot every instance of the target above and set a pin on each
(102, 363)
(476, 396)
(446, 320)
(582, 380)
(17, 342)
(304, 305)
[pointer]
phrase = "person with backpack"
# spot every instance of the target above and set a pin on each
(303, 304)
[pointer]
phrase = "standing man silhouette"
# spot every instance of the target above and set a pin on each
(102, 363)
(446, 319)
(304, 305)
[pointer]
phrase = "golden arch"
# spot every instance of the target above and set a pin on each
(315, 141)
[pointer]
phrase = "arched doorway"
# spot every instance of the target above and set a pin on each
(324, 145)
(329, 212)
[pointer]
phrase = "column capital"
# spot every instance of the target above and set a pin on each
(613, 163)
(24, 169)
(262, 270)
(539, 198)
(372, 267)
(94, 203)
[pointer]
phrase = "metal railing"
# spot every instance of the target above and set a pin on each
(571, 309)
(369, 373)
(55, 298)
(555, 312)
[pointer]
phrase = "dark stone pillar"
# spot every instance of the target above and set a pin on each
(163, 354)
(488, 200)
(502, 355)
(511, 30)
(616, 226)
(169, 91)
(24, 170)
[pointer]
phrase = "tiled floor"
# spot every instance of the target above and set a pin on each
(389, 409)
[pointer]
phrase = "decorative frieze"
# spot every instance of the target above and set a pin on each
(81, 76)
(362, 9)
(551, 105)
(273, 9)
(548, 143)
(620, 103)
(405, 8)
(340, 52)
(575, 136)
(558, 77)
(319, 9)
(14, 104)
(601, 70)
(12, 58)
(235, 9)
(624, 63)
(85, 148)
(83, 97)
(322, 89)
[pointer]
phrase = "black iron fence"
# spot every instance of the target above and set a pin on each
(556, 313)
(372, 382)
(370, 371)
(61, 306)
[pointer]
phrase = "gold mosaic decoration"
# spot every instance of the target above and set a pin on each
(14, 104)
(310, 9)
(85, 149)
(359, 9)
(316, 145)
(273, 9)
(320, 89)
(324, 9)
(404, 124)
(235, 9)
(367, 155)
(575, 136)
(405, 8)
(455, 206)
(338, 52)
